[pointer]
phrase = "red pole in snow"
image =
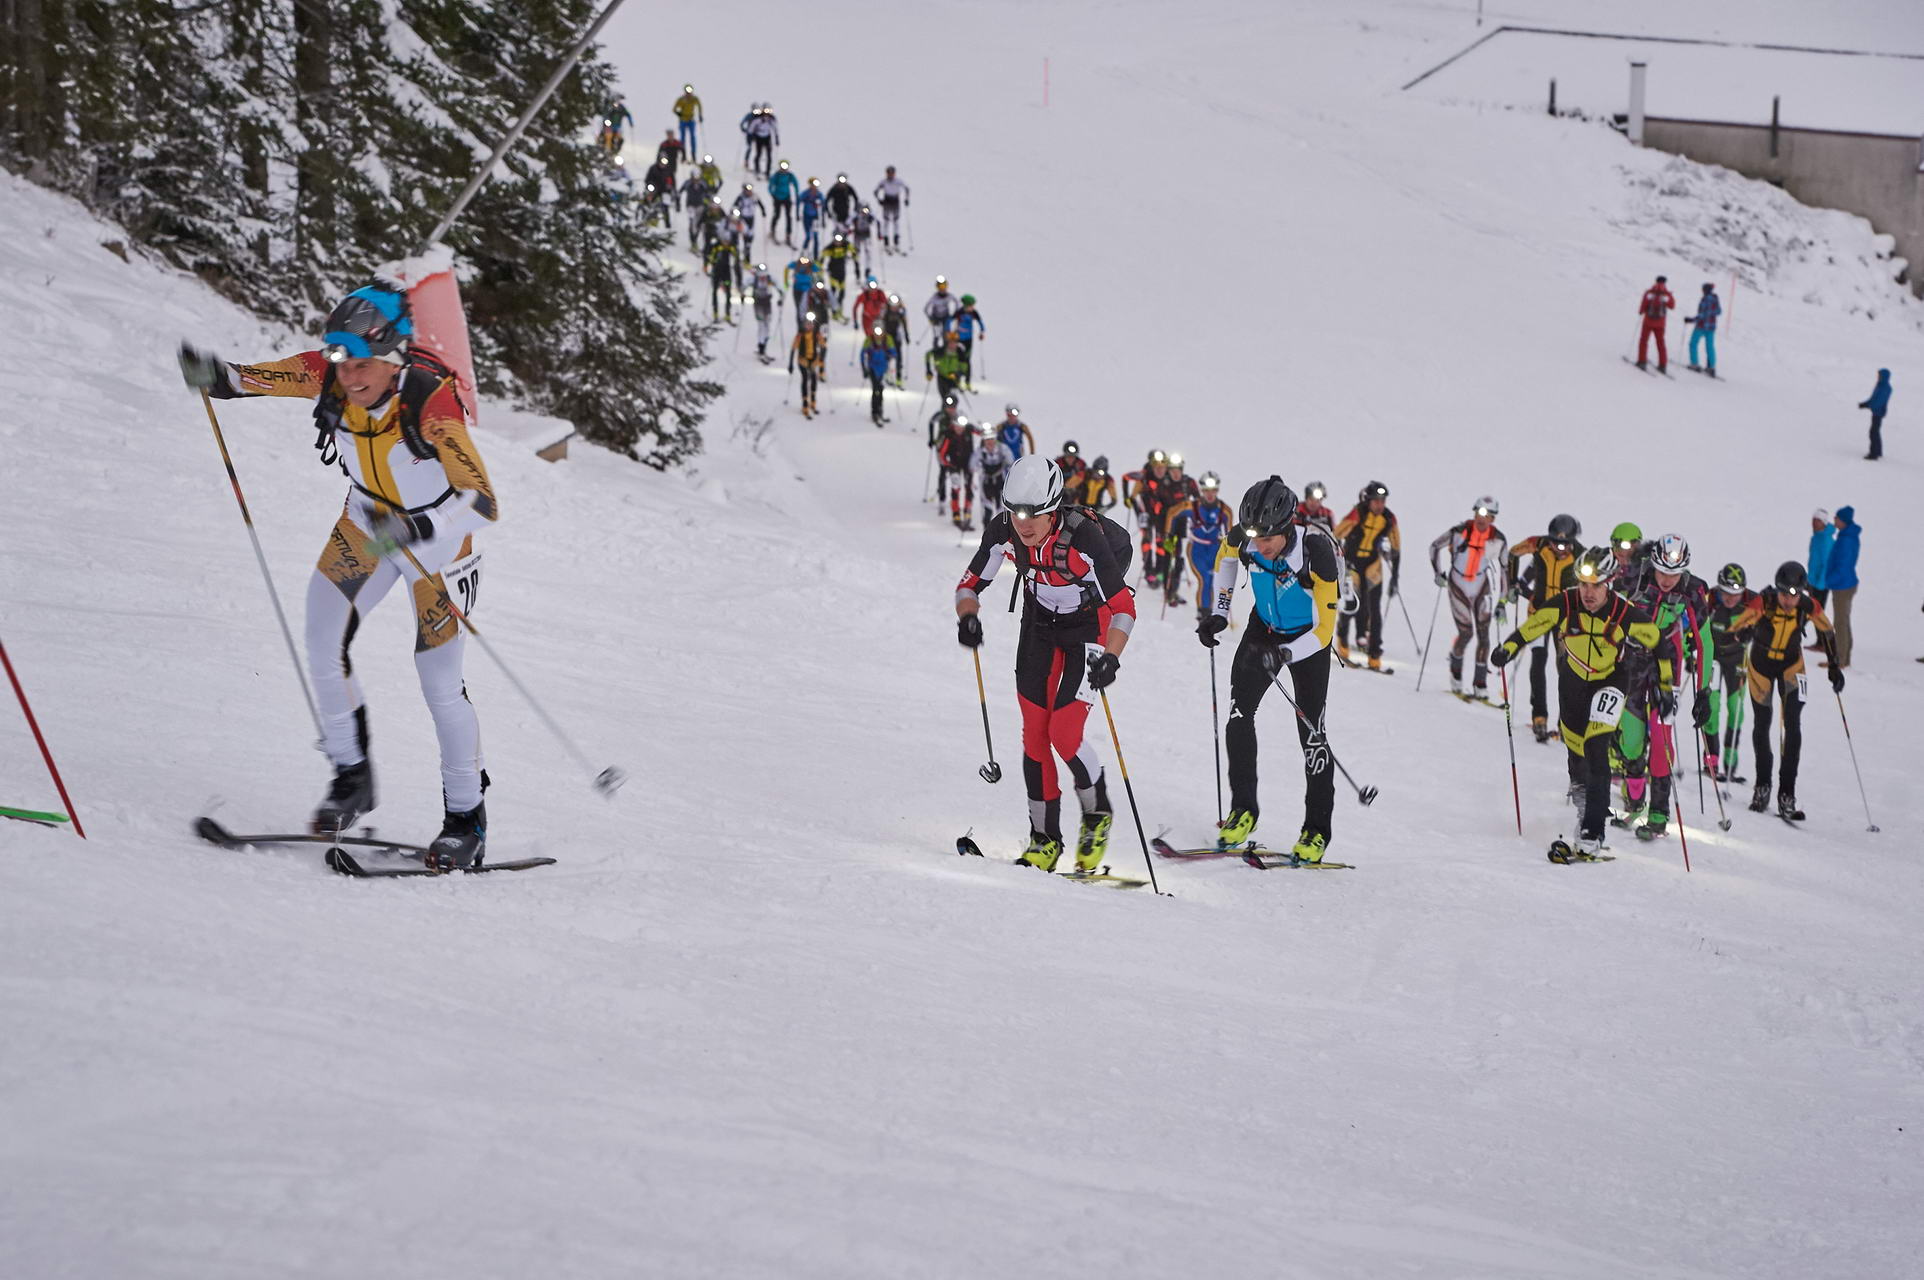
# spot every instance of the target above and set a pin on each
(45, 754)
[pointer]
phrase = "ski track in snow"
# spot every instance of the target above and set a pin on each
(759, 1020)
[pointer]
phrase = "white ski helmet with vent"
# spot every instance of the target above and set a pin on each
(1034, 486)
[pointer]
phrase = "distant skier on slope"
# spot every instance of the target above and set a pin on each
(1723, 729)
(688, 111)
(1373, 550)
(1201, 528)
(1703, 331)
(808, 347)
(1593, 625)
(939, 310)
(1676, 601)
(896, 321)
(894, 195)
(761, 289)
(393, 419)
(1775, 622)
(781, 189)
(1475, 573)
(1014, 432)
(877, 353)
(1655, 310)
(1292, 584)
(992, 463)
(1076, 599)
(841, 201)
(955, 454)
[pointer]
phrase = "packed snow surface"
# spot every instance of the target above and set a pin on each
(759, 1020)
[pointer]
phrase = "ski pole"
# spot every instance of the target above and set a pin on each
(1872, 826)
(1516, 792)
(928, 473)
(1428, 637)
(1364, 795)
(45, 753)
(1216, 727)
(1716, 789)
(260, 558)
(1670, 749)
(608, 780)
(1698, 733)
(1406, 619)
(991, 772)
(1130, 790)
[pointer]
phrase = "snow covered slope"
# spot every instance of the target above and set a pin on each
(759, 1021)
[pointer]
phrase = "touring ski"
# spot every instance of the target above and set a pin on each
(341, 860)
(213, 833)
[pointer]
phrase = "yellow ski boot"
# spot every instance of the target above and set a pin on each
(1093, 842)
(1309, 847)
(1236, 830)
(1042, 853)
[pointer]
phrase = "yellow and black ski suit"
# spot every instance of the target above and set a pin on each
(1775, 624)
(1372, 547)
(1590, 683)
(1543, 568)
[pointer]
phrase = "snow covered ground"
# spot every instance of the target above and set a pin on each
(759, 1021)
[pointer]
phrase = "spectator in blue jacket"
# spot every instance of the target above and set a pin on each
(1704, 331)
(1822, 536)
(1878, 402)
(1841, 578)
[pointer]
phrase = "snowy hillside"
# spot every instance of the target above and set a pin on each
(759, 1020)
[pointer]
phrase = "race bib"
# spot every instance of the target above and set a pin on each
(1803, 686)
(463, 580)
(1607, 707)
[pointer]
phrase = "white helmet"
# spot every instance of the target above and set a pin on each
(1034, 486)
(1485, 506)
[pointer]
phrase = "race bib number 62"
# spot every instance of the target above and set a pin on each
(1607, 707)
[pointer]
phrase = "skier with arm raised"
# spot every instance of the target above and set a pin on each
(393, 419)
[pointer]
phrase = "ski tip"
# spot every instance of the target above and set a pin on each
(212, 832)
(967, 848)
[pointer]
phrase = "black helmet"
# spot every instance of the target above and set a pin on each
(1790, 577)
(1070, 448)
(1565, 528)
(1596, 567)
(1315, 491)
(1731, 577)
(1102, 464)
(1269, 508)
(372, 321)
(1374, 489)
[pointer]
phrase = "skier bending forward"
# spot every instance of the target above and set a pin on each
(396, 425)
(1292, 577)
(1076, 617)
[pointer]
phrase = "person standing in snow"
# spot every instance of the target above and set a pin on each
(393, 419)
(992, 463)
(658, 185)
(969, 326)
(1655, 310)
(945, 364)
(870, 304)
(1372, 546)
(1292, 583)
(748, 205)
(1840, 578)
(781, 189)
(955, 455)
(1593, 626)
(694, 198)
(1817, 560)
(841, 201)
(1775, 621)
(688, 111)
(1704, 331)
(808, 346)
(1545, 566)
(1474, 572)
(896, 321)
(877, 352)
(894, 195)
(1077, 615)
(615, 118)
(724, 278)
(761, 290)
(939, 310)
(1200, 527)
(810, 202)
(1879, 403)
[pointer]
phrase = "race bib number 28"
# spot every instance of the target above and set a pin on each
(463, 581)
(1606, 707)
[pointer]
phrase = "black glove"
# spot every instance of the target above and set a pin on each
(202, 370)
(968, 631)
(1666, 705)
(1501, 655)
(1102, 671)
(1274, 658)
(1700, 708)
(1836, 680)
(1211, 626)
(398, 528)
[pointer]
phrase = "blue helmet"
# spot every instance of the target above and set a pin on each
(370, 322)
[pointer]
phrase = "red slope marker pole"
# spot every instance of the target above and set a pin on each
(45, 754)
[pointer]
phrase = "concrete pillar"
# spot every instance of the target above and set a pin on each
(1636, 103)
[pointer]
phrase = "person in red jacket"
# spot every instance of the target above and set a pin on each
(1655, 310)
(870, 303)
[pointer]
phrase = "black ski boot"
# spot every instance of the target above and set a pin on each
(463, 840)
(1760, 797)
(349, 797)
(1787, 807)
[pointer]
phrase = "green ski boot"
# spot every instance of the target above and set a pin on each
(1093, 842)
(1041, 853)
(1309, 847)
(1235, 832)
